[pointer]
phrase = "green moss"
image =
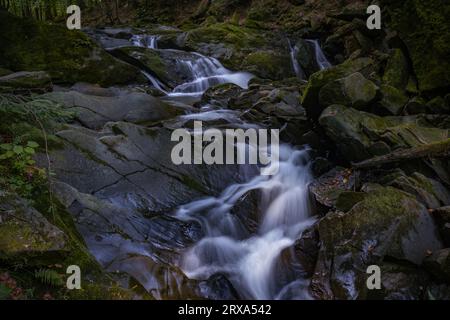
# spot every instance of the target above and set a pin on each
(425, 28)
(68, 55)
(268, 65)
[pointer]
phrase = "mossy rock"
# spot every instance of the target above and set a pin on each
(392, 102)
(25, 82)
(425, 29)
(359, 135)
(387, 223)
(354, 90)
(25, 234)
(310, 98)
(268, 65)
(396, 73)
(68, 56)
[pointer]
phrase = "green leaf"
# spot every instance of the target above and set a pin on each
(6, 146)
(32, 144)
(31, 162)
(18, 150)
(4, 292)
(29, 150)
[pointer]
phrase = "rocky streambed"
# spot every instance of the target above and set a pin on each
(363, 174)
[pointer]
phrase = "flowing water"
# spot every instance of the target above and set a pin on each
(252, 262)
(321, 60)
(205, 72)
(293, 50)
(255, 261)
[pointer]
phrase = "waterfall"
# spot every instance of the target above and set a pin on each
(147, 41)
(155, 82)
(295, 65)
(252, 261)
(321, 60)
(206, 72)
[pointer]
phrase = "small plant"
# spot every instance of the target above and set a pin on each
(49, 277)
(17, 167)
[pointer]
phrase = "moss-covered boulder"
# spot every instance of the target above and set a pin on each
(425, 29)
(310, 98)
(354, 90)
(386, 223)
(360, 135)
(396, 73)
(392, 101)
(268, 65)
(26, 235)
(26, 82)
(68, 56)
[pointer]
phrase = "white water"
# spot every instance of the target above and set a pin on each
(252, 261)
(147, 41)
(207, 72)
(322, 61)
(295, 65)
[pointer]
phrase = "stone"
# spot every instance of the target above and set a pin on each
(26, 235)
(387, 223)
(438, 264)
(310, 97)
(353, 90)
(396, 73)
(26, 82)
(392, 101)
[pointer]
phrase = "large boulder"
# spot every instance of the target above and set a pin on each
(310, 98)
(360, 135)
(269, 65)
(26, 82)
(94, 111)
(67, 55)
(396, 73)
(424, 27)
(354, 90)
(26, 235)
(386, 223)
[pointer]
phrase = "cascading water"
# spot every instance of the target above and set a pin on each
(295, 65)
(322, 61)
(207, 72)
(252, 261)
(147, 41)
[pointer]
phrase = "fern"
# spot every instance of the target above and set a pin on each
(49, 277)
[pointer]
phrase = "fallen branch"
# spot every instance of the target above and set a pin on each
(433, 150)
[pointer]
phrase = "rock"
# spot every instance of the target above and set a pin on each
(26, 235)
(94, 111)
(348, 199)
(424, 28)
(437, 106)
(218, 287)
(268, 65)
(131, 166)
(442, 218)
(360, 135)
(388, 222)
(396, 73)
(400, 282)
(438, 264)
(221, 94)
(353, 90)
(26, 82)
(392, 100)
(416, 105)
(69, 56)
(164, 64)
(310, 98)
(306, 250)
(428, 191)
(328, 187)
